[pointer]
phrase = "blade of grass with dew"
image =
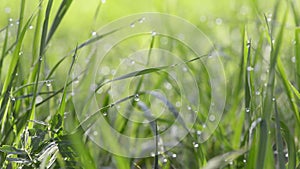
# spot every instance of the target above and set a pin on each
(36, 72)
(3, 51)
(296, 92)
(62, 106)
(222, 160)
(290, 145)
(246, 116)
(64, 6)
(37, 34)
(279, 141)
(297, 56)
(288, 91)
(264, 138)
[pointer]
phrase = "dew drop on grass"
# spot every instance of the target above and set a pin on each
(17, 74)
(132, 25)
(103, 1)
(219, 21)
(212, 118)
(7, 10)
(286, 155)
(132, 62)
(94, 33)
(17, 23)
(249, 68)
(38, 99)
(293, 59)
(257, 93)
(247, 110)
(20, 53)
(48, 83)
(203, 18)
(136, 97)
(152, 154)
(230, 163)
(153, 33)
(273, 99)
(165, 160)
(204, 126)
(196, 145)
(30, 27)
(10, 19)
(141, 20)
(178, 104)
(174, 155)
(189, 107)
(13, 99)
(184, 69)
(244, 160)
(199, 132)
(168, 85)
(95, 133)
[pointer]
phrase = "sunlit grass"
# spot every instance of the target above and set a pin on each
(48, 47)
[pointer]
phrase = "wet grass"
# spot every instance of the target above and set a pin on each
(39, 127)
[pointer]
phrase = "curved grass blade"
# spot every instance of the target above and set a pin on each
(279, 140)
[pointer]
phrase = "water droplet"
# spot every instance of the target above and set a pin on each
(165, 160)
(76, 81)
(293, 59)
(141, 20)
(20, 53)
(136, 97)
(184, 69)
(132, 62)
(7, 10)
(257, 93)
(11, 24)
(219, 21)
(48, 83)
(103, 1)
(196, 145)
(204, 126)
(38, 99)
(152, 154)
(95, 133)
(168, 85)
(40, 59)
(286, 155)
(247, 110)
(203, 18)
(178, 104)
(13, 99)
(189, 107)
(244, 160)
(174, 155)
(30, 27)
(273, 99)
(199, 132)
(17, 74)
(249, 68)
(153, 33)
(10, 19)
(132, 25)
(231, 162)
(94, 33)
(66, 158)
(212, 118)
(294, 42)
(269, 132)
(17, 23)
(273, 41)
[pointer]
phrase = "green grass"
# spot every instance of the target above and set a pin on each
(49, 50)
